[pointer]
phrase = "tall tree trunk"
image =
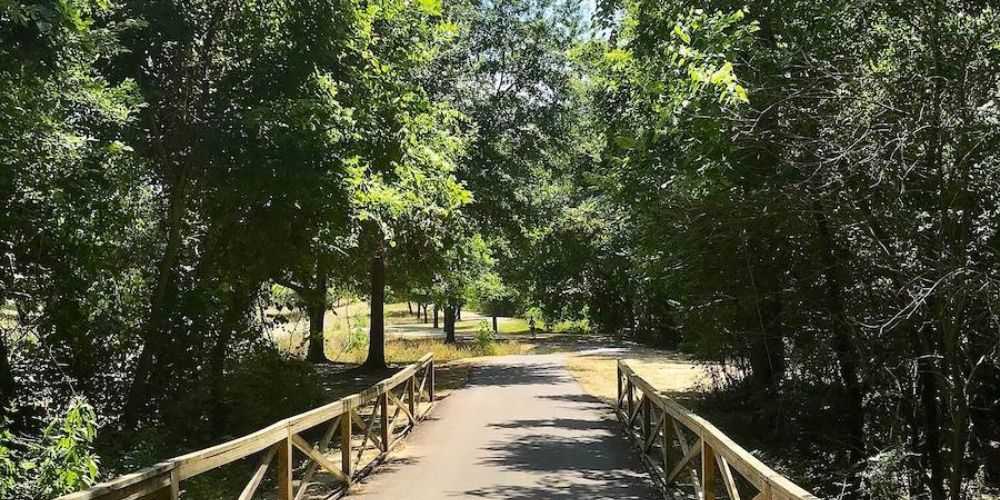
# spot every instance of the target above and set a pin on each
(435, 316)
(376, 336)
(957, 388)
(927, 343)
(495, 329)
(843, 346)
(450, 310)
(316, 306)
(425, 313)
(409, 307)
(155, 332)
(931, 460)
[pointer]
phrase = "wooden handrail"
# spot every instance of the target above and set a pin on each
(657, 424)
(414, 401)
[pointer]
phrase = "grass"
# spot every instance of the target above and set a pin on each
(346, 333)
(506, 326)
(404, 351)
(668, 371)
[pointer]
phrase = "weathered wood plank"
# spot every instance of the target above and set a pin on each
(258, 474)
(727, 478)
(383, 402)
(653, 433)
(345, 446)
(707, 471)
(142, 482)
(285, 469)
(368, 434)
(318, 457)
(323, 446)
(401, 406)
(684, 461)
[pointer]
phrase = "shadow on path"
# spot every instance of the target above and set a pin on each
(522, 429)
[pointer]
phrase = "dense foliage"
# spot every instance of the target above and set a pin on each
(804, 190)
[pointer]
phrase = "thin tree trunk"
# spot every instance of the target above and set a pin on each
(8, 385)
(238, 303)
(931, 452)
(435, 316)
(767, 349)
(495, 329)
(425, 313)
(376, 341)
(409, 306)
(450, 311)
(316, 305)
(767, 362)
(960, 418)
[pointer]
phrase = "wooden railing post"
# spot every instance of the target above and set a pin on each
(411, 404)
(383, 419)
(646, 429)
(665, 445)
(618, 379)
(345, 445)
(285, 469)
(631, 403)
(707, 471)
(430, 391)
(175, 484)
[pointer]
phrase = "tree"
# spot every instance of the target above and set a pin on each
(273, 65)
(508, 70)
(69, 190)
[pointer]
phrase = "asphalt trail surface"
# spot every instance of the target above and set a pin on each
(521, 429)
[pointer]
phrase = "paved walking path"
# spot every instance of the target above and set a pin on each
(521, 429)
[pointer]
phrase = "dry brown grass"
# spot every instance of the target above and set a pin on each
(404, 351)
(667, 371)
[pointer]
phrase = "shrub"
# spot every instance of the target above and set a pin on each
(266, 387)
(485, 339)
(885, 475)
(578, 327)
(357, 339)
(61, 462)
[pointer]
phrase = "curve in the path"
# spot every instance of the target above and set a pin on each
(521, 429)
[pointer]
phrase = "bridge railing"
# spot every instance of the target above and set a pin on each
(677, 444)
(370, 424)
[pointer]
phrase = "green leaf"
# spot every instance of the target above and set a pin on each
(679, 32)
(429, 7)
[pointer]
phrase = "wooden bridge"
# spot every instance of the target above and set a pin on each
(570, 453)
(663, 430)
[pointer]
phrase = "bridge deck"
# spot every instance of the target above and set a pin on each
(522, 429)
